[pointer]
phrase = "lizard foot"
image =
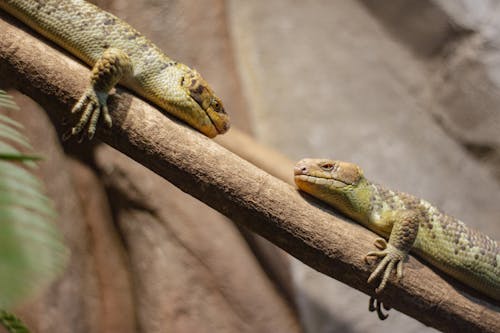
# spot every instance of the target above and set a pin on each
(391, 256)
(375, 304)
(90, 105)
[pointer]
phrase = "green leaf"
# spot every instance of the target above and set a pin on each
(32, 252)
(8, 121)
(6, 101)
(11, 323)
(9, 133)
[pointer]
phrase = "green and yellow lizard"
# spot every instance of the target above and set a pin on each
(408, 222)
(120, 54)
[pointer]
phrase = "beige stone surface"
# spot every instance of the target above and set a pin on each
(464, 62)
(116, 308)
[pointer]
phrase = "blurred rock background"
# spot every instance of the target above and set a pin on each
(406, 88)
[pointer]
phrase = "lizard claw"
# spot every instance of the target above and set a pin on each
(377, 306)
(391, 257)
(380, 243)
(91, 105)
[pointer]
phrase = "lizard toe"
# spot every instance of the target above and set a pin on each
(380, 243)
(90, 105)
(392, 257)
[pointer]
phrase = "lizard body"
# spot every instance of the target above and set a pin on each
(408, 222)
(118, 53)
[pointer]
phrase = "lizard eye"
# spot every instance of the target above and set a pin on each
(327, 166)
(217, 106)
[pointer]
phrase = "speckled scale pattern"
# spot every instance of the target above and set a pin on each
(445, 241)
(87, 31)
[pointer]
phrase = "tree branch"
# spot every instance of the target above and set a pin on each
(301, 226)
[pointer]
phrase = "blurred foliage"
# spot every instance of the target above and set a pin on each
(32, 252)
(11, 323)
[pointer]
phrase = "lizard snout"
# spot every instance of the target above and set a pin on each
(300, 170)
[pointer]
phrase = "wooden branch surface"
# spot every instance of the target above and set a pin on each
(246, 194)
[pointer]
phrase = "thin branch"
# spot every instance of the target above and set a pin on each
(199, 166)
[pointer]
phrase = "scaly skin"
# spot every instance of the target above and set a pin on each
(408, 222)
(118, 53)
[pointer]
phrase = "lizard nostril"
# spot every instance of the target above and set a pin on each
(300, 170)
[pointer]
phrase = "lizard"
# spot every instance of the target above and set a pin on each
(409, 223)
(118, 53)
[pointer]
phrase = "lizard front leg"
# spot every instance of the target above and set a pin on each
(403, 235)
(110, 68)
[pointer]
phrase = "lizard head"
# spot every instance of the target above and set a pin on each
(327, 173)
(206, 113)
(338, 183)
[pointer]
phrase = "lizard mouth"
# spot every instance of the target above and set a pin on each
(209, 104)
(209, 125)
(220, 121)
(301, 178)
